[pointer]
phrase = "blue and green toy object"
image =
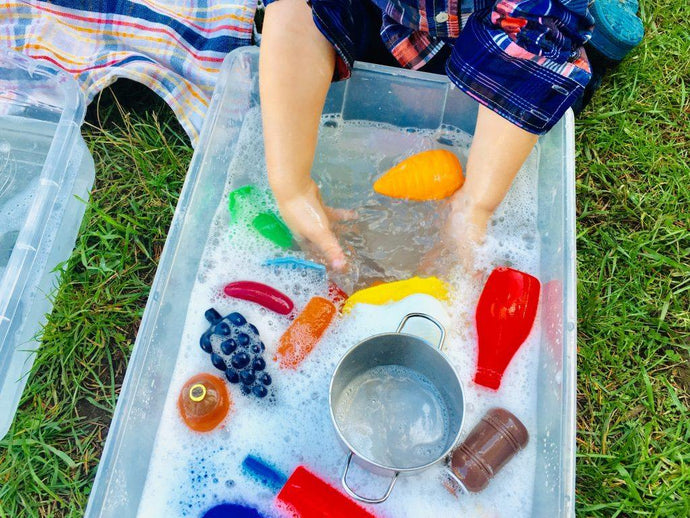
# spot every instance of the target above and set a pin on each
(617, 29)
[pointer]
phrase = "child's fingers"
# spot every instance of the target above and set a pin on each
(330, 248)
(316, 229)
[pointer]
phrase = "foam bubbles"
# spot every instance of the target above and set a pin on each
(191, 472)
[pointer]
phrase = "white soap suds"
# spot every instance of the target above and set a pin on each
(191, 472)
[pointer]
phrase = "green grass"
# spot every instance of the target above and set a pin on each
(633, 194)
(633, 294)
(49, 458)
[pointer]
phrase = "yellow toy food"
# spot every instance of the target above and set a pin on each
(429, 175)
(398, 290)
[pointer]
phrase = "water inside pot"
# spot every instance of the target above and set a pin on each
(394, 416)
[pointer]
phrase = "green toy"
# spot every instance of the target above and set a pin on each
(238, 198)
(252, 204)
(269, 225)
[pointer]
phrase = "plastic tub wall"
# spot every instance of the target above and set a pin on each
(44, 167)
(373, 93)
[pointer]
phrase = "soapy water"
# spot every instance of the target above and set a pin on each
(394, 416)
(190, 472)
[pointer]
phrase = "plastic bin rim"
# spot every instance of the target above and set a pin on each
(72, 113)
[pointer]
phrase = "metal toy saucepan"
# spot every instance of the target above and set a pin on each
(410, 353)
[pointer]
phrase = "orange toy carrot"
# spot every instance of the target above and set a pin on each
(429, 175)
(305, 332)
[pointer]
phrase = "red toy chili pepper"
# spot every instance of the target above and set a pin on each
(261, 294)
(305, 332)
(505, 314)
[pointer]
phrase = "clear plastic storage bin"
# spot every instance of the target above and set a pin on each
(44, 167)
(378, 94)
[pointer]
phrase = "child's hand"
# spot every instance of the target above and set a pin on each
(307, 216)
(295, 70)
(462, 233)
(465, 229)
(499, 148)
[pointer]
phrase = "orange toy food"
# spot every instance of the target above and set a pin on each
(305, 332)
(204, 402)
(429, 175)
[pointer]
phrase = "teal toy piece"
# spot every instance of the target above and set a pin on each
(294, 262)
(617, 29)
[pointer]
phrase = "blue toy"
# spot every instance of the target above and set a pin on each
(294, 262)
(238, 352)
(232, 511)
(262, 472)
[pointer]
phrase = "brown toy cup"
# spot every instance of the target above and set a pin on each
(488, 447)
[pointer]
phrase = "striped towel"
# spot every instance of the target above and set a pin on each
(175, 47)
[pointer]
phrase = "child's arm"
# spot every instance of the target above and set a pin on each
(295, 70)
(498, 150)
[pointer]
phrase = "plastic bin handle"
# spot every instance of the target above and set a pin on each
(430, 319)
(361, 498)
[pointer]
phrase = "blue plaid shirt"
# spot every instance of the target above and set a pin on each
(521, 58)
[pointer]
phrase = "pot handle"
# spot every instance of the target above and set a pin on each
(429, 318)
(361, 498)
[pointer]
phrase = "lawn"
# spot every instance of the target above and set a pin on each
(633, 203)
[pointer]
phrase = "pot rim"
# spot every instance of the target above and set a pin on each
(374, 463)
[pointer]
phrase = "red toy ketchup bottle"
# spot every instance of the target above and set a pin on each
(505, 314)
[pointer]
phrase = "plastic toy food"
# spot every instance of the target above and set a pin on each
(489, 446)
(232, 511)
(204, 402)
(266, 475)
(505, 314)
(239, 197)
(336, 295)
(250, 203)
(295, 262)
(394, 291)
(429, 175)
(238, 352)
(304, 494)
(261, 294)
(269, 225)
(305, 332)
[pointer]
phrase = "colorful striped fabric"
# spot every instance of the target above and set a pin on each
(175, 47)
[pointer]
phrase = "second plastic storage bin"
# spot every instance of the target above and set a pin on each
(46, 174)
(403, 99)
